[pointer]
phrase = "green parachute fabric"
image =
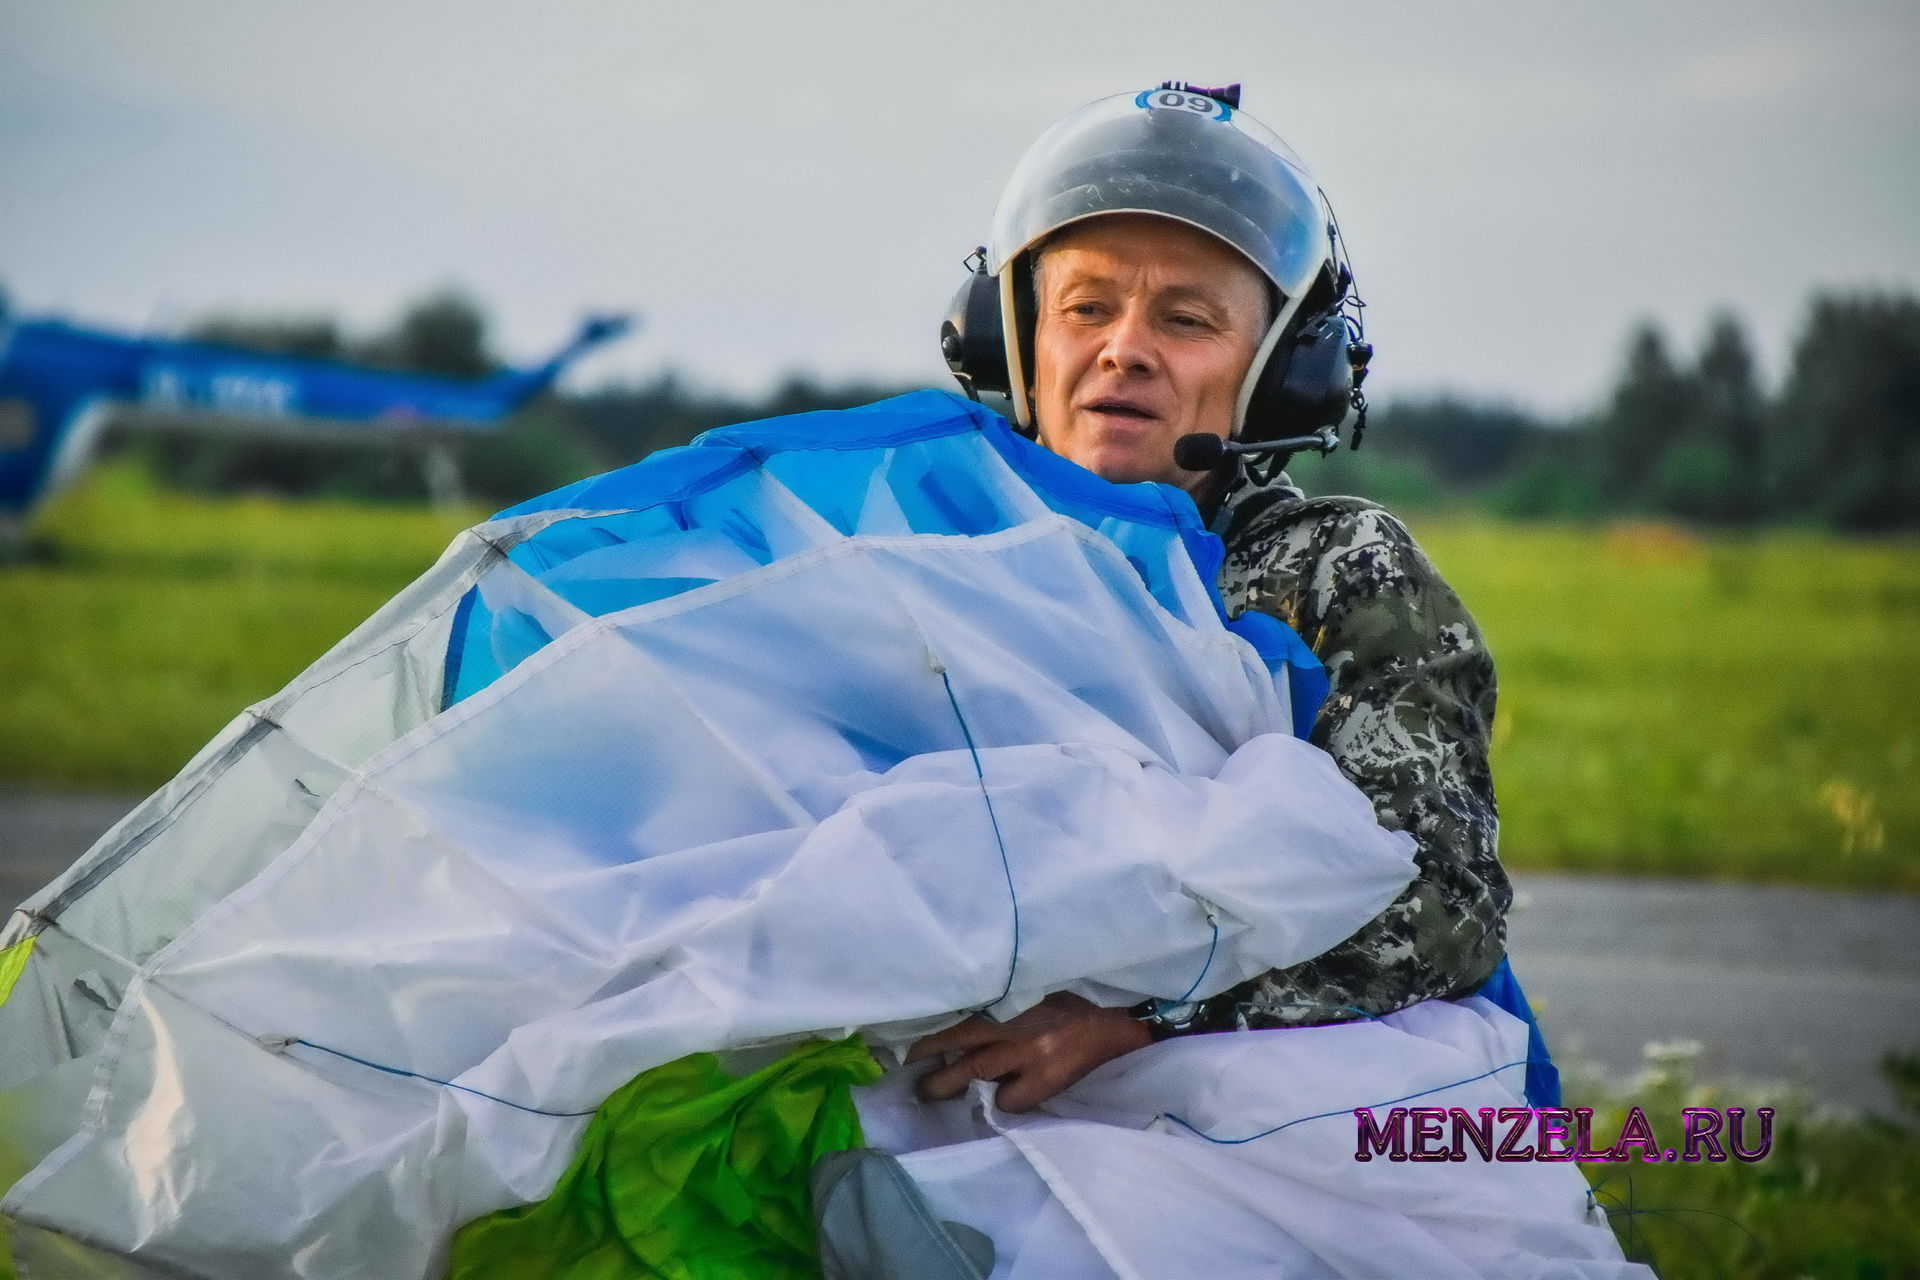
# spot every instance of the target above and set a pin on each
(13, 963)
(687, 1173)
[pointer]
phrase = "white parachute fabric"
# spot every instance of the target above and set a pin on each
(860, 722)
(1234, 1155)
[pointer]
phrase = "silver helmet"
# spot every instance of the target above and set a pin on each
(1181, 154)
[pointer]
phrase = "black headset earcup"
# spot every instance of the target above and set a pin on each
(1307, 383)
(971, 337)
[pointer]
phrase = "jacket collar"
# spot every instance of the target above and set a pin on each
(1245, 498)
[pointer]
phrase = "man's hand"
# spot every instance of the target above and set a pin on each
(1034, 1056)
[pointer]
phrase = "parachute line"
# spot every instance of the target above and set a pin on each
(1346, 1111)
(1013, 961)
(1212, 947)
(415, 1075)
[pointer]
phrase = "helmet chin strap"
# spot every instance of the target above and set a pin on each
(1275, 332)
(1023, 414)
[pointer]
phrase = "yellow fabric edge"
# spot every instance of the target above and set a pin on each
(13, 963)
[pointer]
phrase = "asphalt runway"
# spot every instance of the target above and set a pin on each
(1775, 984)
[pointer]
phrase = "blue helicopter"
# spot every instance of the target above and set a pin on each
(62, 386)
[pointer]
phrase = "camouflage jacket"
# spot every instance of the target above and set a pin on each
(1409, 720)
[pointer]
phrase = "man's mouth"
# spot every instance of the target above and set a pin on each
(1119, 409)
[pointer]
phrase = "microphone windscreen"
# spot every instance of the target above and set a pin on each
(1201, 451)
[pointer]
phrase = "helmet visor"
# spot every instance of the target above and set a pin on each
(1177, 154)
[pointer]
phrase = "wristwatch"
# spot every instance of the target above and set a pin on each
(1164, 1019)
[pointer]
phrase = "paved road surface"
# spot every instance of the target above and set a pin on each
(1777, 983)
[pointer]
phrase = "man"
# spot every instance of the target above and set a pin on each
(1157, 254)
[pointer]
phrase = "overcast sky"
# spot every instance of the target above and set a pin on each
(783, 185)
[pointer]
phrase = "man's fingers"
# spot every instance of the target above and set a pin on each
(958, 1038)
(1030, 1088)
(990, 1063)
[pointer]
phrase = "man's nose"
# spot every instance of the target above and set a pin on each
(1129, 343)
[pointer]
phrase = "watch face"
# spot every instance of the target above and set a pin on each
(1163, 1018)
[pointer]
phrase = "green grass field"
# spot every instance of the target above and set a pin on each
(1669, 704)
(1834, 1195)
(1713, 707)
(158, 616)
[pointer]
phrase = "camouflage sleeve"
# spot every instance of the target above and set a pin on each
(1409, 720)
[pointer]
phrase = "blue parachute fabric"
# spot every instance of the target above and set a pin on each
(1276, 642)
(1543, 1078)
(687, 517)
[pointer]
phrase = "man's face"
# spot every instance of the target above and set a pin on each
(1146, 328)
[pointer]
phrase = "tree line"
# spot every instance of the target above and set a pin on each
(1837, 444)
(1694, 437)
